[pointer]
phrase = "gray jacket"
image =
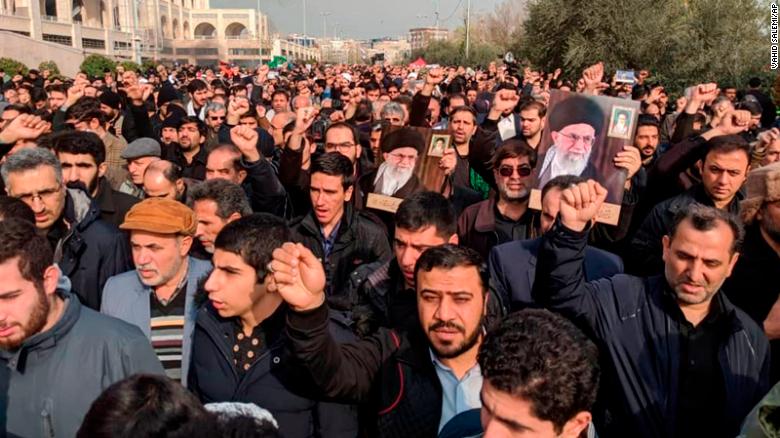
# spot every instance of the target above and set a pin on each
(48, 384)
(126, 298)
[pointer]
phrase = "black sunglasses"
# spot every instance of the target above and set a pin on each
(507, 171)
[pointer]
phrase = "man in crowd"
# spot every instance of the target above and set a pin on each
(238, 352)
(540, 377)
(139, 154)
(87, 249)
(158, 296)
(723, 170)
(395, 176)
(752, 286)
(164, 179)
(340, 236)
(418, 380)
(56, 355)
(533, 116)
(198, 91)
(513, 264)
(82, 157)
(494, 221)
(717, 358)
(385, 291)
(189, 153)
(216, 203)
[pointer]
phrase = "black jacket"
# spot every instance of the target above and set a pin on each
(753, 286)
(273, 382)
(113, 205)
(632, 320)
(644, 257)
(92, 250)
(360, 239)
(263, 189)
(391, 373)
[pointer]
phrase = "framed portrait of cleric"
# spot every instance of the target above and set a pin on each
(438, 145)
(582, 135)
(620, 122)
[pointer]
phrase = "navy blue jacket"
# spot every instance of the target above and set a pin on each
(274, 381)
(513, 269)
(632, 320)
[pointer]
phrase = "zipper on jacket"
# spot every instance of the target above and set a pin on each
(46, 417)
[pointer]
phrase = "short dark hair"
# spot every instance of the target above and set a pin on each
(13, 208)
(647, 120)
(19, 238)
(196, 85)
(334, 164)
(561, 182)
(78, 143)
(540, 108)
(345, 125)
(57, 88)
(230, 198)
(281, 91)
(85, 109)
(19, 108)
(705, 218)
(514, 148)
(143, 406)
(544, 359)
(754, 82)
(254, 238)
(202, 128)
(451, 256)
(464, 109)
(725, 144)
(427, 209)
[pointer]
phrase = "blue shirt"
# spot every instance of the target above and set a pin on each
(457, 395)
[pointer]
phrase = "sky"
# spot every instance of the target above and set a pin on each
(360, 19)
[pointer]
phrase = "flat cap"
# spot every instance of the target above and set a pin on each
(162, 216)
(142, 147)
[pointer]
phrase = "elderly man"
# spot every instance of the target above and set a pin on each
(158, 296)
(163, 179)
(395, 176)
(575, 125)
(139, 154)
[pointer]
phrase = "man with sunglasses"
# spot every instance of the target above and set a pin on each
(506, 216)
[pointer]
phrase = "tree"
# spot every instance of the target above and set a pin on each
(95, 65)
(51, 66)
(680, 41)
(12, 66)
(130, 66)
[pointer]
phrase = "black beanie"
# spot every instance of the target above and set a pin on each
(403, 138)
(110, 99)
(575, 110)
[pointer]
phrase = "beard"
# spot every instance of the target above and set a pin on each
(571, 164)
(509, 195)
(390, 178)
(469, 341)
(159, 278)
(81, 186)
(35, 323)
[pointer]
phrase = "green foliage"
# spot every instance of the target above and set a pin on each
(452, 52)
(148, 64)
(681, 42)
(12, 66)
(130, 65)
(95, 65)
(49, 65)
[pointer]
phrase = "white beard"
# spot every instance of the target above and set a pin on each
(563, 166)
(390, 178)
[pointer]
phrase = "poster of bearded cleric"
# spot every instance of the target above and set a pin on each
(582, 136)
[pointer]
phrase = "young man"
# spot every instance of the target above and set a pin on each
(238, 352)
(714, 358)
(341, 237)
(82, 157)
(189, 152)
(415, 381)
(88, 250)
(158, 296)
(541, 376)
(57, 356)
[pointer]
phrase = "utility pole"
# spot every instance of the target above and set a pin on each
(325, 24)
(304, 18)
(468, 26)
(436, 13)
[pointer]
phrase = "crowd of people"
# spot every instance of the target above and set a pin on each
(190, 252)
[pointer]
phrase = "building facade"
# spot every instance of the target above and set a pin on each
(185, 31)
(420, 37)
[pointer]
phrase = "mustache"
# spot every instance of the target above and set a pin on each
(77, 185)
(446, 324)
(145, 268)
